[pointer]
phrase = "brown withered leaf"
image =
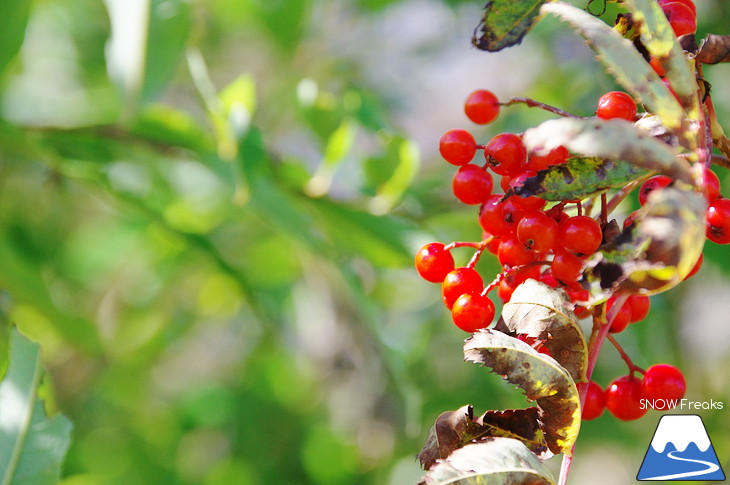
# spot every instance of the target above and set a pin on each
(451, 431)
(541, 311)
(714, 49)
(521, 424)
(542, 378)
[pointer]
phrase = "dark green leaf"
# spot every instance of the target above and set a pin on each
(32, 446)
(14, 15)
(495, 461)
(505, 22)
(542, 378)
(546, 313)
(578, 178)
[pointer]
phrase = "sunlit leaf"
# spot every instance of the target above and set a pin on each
(543, 312)
(495, 461)
(14, 15)
(32, 445)
(608, 139)
(542, 378)
(623, 61)
(505, 22)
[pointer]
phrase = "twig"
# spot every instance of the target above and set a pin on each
(535, 104)
(633, 368)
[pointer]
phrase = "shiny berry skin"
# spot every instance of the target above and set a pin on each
(681, 18)
(580, 235)
(567, 268)
(457, 147)
(663, 381)
(472, 312)
(482, 107)
(651, 184)
(689, 3)
(513, 253)
(595, 402)
(616, 104)
(622, 318)
(530, 203)
(458, 282)
(491, 216)
(506, 154)
(640, 306)
(623, 398)
(555, 156)
(718, 221)
(711, 184)
(472, 185)
(434, 262)
(538, 231)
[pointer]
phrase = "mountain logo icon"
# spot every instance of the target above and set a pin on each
(681, 450)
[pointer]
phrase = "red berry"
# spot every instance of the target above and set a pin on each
(663, 381)
(472, 184)
(567, 268)
(651, 184)
(616, 104)
(718, 221)
(434, 262)
(640, 305)
(623, 398)
(472, 312)
(711, 184)
(458, 282)
(481, 107)
(688, 3)
(513, 253)
(530, 203)
(538, 231)
(580, 235)
(631, 218)
(457, 147)
(595, 402)
(506, 154)
(491, 216)
(505, 290)
(681, 18)
(554, 157)
(621, 319)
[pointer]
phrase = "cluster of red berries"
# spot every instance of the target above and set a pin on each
(628, 397)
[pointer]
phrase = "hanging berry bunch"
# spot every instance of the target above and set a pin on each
(546, 200)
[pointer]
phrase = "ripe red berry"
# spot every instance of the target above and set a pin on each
(640, 305)
(491, 216)
(681, 18)
(458, 282)
(616, 104)
(663, 381)
(651, 184)
(472, 312)
(595, 402)
(531, 203)
(472, 184)
(457, 147)
(481, 107)
(538, 231)
(434, 262)
(689, 3)
(567, 268)
(513, 253)
(623, 398)
(555, 156)
(622, 317)
(580, 235)
(630, 219)
(718, 221)
(711, 184)
(506, 154)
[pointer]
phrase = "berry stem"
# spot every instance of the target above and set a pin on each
(535, 104)
(633, 368)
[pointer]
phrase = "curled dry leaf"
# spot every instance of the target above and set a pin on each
(714, 49)
(546, 313)
(542, 378)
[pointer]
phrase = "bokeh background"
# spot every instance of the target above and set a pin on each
(208, 213)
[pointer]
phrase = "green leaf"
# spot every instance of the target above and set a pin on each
(542, 378)
(608, 139)
(538, 310)
(505, 22)
(578, 178)
(14, 15)
(495, 461)
(32, 446)
(391, 191)
(658, 251)
(624, 62)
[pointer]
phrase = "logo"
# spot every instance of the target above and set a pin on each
(681, 450)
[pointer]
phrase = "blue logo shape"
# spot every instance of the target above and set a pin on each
(681, 450)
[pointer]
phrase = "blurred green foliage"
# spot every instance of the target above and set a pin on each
(208, 211)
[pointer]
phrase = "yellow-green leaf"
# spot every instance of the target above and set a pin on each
(505, 22)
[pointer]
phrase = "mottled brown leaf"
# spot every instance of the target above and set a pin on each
(714, 49)
(521, 424)
(546, 313)
(451, 431)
